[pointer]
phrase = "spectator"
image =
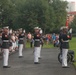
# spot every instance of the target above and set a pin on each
(54, 38)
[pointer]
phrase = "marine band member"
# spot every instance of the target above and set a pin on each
(5, 46)
(65, 46)
(36, 45)
(21, 42)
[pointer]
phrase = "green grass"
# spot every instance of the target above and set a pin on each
(48, 46)
(44, 46)
(73, 47)
(27, 45)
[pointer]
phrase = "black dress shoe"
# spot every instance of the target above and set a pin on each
(6, 67)
(39, 58)
(20, 56)
(73, 61)
(36, 63)
(65, 67)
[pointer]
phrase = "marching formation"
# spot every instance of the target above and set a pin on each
(11, 41)
(15, 40)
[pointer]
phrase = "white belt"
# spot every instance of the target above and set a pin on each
(37, 40)
(66, 41)
(21, 38)
(5, 40)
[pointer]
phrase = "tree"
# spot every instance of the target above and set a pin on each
(49, 15)
(60, 13)
(73, 25)
(7, 11)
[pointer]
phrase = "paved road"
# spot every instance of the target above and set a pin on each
(24, 66)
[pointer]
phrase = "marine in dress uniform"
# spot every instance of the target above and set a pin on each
(36, 45)
(65, 47)
(5, 46)
(21, 42)
(24, 31)
(41, 42)
(60, 41)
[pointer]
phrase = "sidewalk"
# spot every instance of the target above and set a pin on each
(25, 66)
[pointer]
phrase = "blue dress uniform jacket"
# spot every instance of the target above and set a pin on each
(37, 40)
(65, 43)
(5, 41)
(21, 38)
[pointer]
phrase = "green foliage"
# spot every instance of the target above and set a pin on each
(60, 13)
(50, 16)
(73, 25)
(73, 47)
